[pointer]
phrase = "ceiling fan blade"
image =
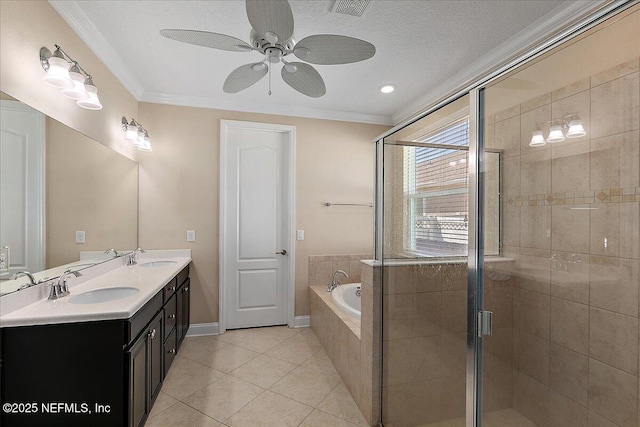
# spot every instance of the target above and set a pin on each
(305, 79)
(207, 39)
(331, 49)
(244, 76)
(271, 16)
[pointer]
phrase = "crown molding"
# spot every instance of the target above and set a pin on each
(526, 39)
(277, 109)
(93, 38)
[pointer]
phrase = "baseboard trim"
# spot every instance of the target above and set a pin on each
(302, 321)
(200, 329)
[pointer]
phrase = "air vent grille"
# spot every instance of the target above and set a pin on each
(350, 7)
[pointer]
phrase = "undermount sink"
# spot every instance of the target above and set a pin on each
(103, 295)
(157, 263)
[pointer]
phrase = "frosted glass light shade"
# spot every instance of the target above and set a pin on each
(132, 133)
(58, 73)
(93, 103)
(78, 92)
(555, 134)
(576, 130)
(145, 146)
(537, 140)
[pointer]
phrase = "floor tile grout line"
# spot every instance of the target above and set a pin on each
(245, 405)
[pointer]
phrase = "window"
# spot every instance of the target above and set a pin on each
(435, 191)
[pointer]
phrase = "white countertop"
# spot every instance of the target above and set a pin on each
(149, 280)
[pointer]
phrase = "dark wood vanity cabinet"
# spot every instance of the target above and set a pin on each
(104, 373)
(145, 370)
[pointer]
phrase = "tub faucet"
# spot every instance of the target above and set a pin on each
(59, 289)
(29, 275)
(335, 282)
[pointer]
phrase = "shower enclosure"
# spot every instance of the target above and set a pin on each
(520, 197)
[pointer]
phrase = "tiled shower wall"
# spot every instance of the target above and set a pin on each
(571, 218)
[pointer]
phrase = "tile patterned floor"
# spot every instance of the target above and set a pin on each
(271, 377)
(502, 418)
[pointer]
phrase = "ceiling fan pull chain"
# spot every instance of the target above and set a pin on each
(270, 66)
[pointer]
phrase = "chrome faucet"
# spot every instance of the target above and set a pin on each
(29, 275)
(133, 256)
(60, 289)
(335, 282)
(115, 253)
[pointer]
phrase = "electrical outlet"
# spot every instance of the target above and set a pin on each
(80, 237)
(5, 262)
(191, 235)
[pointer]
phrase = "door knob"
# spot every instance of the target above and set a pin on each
(282, 252)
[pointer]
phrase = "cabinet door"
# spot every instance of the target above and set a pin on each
(137, 356)
(156, 350)
(179, 315)
(186, 306)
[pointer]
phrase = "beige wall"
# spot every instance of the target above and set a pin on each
(25, 27)
(179, 191)
(88, 187)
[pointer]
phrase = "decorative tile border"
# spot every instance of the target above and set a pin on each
(605, 195)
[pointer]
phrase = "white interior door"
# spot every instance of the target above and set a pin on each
(22, 186)
(256, 224)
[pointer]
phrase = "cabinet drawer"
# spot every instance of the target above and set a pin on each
(170, 289)
(169, 351)
(169, 316)
(141, 319)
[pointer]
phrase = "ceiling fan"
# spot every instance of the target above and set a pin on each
(272, 36)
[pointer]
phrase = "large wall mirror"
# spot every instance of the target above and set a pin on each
(62, 193)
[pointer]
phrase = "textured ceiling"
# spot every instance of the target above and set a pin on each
(422, 47)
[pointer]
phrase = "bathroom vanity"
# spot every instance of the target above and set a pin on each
(97, 363)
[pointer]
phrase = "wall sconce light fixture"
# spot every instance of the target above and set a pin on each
(65, 73)
(559, 130)
(136, 134)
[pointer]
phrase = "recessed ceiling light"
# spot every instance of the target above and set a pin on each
(387, 88)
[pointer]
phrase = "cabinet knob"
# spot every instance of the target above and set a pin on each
(173, 288)
(172, 351)
(152, 334)
(172, 316)
(185, 289)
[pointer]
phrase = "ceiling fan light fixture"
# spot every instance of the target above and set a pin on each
(258, 66)
(271, 37)
(301, 52)
(388, 88)
(290, 68)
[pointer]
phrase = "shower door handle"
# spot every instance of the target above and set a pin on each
(485, 323)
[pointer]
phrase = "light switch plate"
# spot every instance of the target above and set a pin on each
(80, 237)
(300, 235)
(191, 235)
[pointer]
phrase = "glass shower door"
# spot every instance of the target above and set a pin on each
(424, 264)
(564, 349)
